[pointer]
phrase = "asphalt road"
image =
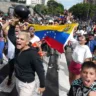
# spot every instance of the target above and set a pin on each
(58, 79)
(3, 74)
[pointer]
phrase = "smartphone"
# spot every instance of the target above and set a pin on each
(11, 11)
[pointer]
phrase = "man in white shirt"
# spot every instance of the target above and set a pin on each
(34, 38)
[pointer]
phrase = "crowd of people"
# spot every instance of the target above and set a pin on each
(24, 52)
(82, 74)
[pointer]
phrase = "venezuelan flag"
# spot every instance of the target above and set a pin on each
(55, 36)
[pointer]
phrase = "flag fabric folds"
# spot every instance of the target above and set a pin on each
(56, 36)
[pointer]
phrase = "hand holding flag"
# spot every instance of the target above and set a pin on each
(55, 36)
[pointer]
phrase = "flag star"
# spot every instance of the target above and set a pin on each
(54, 36)
(47, 32)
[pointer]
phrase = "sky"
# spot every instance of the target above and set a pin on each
(69, 3)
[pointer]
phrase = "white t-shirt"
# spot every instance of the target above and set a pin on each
(80, 53)
(82, 32)
(35, 39)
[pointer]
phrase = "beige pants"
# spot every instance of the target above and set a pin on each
(24, 89)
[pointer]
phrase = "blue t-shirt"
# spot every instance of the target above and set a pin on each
(91, 45)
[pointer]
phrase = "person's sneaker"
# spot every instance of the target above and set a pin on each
(9, 82)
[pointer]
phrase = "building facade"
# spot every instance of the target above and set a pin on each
(31, 2)
(93, 1)
(4, 0)
(84, 1)
(44, 2)
(90, 1)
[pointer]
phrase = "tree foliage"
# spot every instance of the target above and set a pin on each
(41, 8)
(83, 11)
(52, 8)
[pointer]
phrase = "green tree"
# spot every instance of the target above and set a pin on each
(42, 9)
(83, 11)
(60, 8)
(54, 7)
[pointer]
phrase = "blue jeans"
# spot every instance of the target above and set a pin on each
(1, 49)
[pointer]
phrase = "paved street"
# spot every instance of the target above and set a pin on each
(3, 75)
(61, 75)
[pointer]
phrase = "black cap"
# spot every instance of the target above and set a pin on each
(21, 11)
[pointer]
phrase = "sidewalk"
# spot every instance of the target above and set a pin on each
(63, 74)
